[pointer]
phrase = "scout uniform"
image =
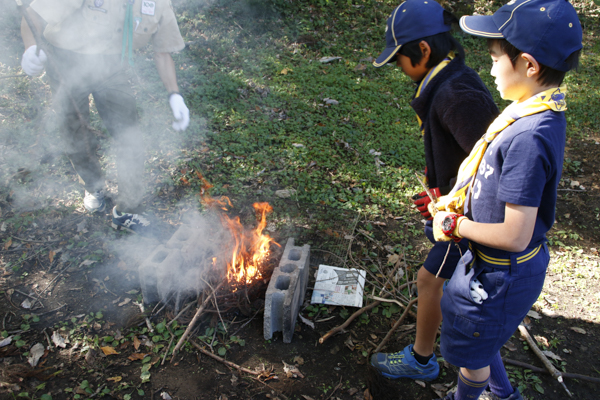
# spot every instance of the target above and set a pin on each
(91, 42)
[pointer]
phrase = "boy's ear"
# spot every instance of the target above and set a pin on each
(425, 51)
(533, 67)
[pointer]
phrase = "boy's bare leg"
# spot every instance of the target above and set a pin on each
(477, 375)
(429, 312)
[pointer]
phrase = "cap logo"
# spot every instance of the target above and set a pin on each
(511, 2)
(543, 9)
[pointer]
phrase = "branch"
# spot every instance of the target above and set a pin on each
(533, 346)
(348, 321)
(396, 325)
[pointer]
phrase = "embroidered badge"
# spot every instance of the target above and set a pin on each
(148, 7)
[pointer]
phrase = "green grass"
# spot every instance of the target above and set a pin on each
(257, 91)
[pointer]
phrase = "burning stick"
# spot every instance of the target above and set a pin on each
(195, 319)
(533, 346)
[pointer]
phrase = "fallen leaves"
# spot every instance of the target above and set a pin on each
(108, 350)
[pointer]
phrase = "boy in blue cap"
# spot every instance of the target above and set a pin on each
(506, 189)
(453, 108)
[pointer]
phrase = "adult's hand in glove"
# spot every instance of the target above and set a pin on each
(32, 63)
(180, 112)
(422, 200)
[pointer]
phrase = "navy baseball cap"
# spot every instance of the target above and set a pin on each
(549, 30)
(411, 20)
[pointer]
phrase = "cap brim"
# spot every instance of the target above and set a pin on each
(386, 56)
(480, 25)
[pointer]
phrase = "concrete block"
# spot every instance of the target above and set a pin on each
(158, 273)
(286, 291)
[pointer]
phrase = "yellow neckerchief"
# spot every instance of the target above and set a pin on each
(430, 75)
(551, 99)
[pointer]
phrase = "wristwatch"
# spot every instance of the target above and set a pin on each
(449, 225)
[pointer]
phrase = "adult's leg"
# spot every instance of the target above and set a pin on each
(71, 103)
(429, 313)
(116, 105)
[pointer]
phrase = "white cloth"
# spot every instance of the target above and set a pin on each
(180, 112)
(32, 63)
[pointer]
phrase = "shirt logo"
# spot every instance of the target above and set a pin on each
(148, 7)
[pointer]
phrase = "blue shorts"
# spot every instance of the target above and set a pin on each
(473, 333)
(436, 255)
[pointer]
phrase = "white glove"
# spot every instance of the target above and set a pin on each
(33, 64)
(180, 112)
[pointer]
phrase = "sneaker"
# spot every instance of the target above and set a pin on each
(403, 365)
(135, 223)
(487, 395)
(94, 202)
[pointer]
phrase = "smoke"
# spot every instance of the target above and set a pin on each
(181, 266)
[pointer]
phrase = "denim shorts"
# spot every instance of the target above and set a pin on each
(473, 333)
(436, 255)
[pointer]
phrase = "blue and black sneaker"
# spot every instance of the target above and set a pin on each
(403, 365)
(94, 202)
(136, 223)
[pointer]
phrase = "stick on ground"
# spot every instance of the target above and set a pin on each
(195, 319)
(396, 325)
(533, 346)
(348, 321)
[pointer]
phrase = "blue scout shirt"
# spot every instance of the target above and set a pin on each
(522, 166)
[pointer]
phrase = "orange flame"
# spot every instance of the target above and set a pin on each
(251, 248)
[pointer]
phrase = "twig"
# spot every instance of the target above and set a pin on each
(35, 241)
(347, 322)
(247, 322)
(194, 320)
(37, 300)
(228, 363)
(51, 311)
(47, 338)
(216, 303)
(545, 371)
(181, 313)
(349, 251)
(533, 346)
(339, 385)
(168, 347)
(396, 325)
(55, 278)
(13, 76)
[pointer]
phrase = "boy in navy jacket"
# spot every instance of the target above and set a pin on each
(453, 108)
(506, 190)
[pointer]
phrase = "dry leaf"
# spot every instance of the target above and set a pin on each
(307, 397)
(108, 350)
(136, 342)
(510, 346)
(298, 360)
(115, 379)
(534, 314)
(137, 356)
(127, 300)
(58, 340)
(285, 71)
(7, 244)
(578, 330)
(51, 255)
(542, 340)
(439, 386)
(36, 352)
(420, 383)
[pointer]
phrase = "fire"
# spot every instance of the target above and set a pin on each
(252, 248)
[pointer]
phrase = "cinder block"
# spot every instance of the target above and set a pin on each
(286, 291)
(158, 273)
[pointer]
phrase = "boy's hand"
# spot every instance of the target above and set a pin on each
(32, 63)
(422, 200)
(445, 226)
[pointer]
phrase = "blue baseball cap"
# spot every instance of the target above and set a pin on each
(411, 20)
(549, 30)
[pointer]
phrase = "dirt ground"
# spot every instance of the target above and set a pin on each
(88, 287)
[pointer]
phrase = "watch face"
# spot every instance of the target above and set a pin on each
(448, 224)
